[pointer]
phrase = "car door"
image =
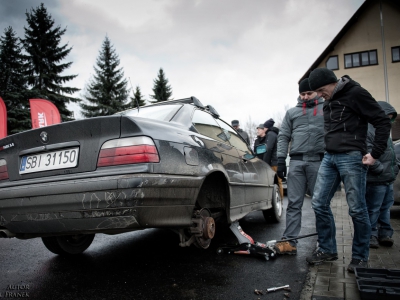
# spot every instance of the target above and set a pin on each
(222, 152)
(256, 173)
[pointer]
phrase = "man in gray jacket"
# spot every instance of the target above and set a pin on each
(303, 128)
(379, 190)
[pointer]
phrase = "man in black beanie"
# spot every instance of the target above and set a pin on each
(271, 140)
(348, 108)
(302, 136)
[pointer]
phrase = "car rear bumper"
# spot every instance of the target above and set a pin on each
(103, 204)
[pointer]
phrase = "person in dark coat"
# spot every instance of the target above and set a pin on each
(348, 108)
(243, 134)
(270, 157)
(379, 190)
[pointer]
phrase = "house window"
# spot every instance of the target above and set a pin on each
(360, 59)
(396, 54)
(333, 63)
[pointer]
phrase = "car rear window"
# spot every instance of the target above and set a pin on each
(158, 112)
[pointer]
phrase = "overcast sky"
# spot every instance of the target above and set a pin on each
(242, 57)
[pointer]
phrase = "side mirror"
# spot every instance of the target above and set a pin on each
(260, 149)
(248, 156)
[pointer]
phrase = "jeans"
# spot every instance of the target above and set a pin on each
(379, 200)
(302, 174)
(346, 167)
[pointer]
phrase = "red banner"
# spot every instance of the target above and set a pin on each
(43, 113)
(3, 119)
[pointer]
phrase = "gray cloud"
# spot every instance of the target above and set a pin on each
(242, 57)
(12, 13)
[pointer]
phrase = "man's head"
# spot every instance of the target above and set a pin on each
(235, 124)
(268, 124)
(323, 81)
(260, 130)
(305, 91)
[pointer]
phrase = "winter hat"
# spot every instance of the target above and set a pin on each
(261, 126)
(235, 123)
(269, 123)
(320, 77)
(304, 86)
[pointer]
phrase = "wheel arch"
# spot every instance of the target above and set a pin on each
(214, 193)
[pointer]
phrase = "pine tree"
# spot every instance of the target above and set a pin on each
(137, 98)
(43, 60)
(13, 87)
(107, 92)
(162, 91)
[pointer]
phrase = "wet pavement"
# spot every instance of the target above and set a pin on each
(330, 280)
(149, 264)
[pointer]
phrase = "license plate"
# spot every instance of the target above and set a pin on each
(49, 161)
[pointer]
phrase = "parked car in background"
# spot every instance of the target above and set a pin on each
(174, 164)
(396, 184)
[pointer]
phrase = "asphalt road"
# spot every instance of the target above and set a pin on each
(150, 264)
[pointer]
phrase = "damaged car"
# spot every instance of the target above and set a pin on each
(174, 164)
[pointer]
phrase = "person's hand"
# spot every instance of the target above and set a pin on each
(281, 171)
(368, 159)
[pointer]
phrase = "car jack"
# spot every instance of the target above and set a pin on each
(246, 245)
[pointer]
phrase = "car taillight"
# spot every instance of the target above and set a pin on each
(3, 169)
(131, 150)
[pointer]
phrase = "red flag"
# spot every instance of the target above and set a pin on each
(43, 113)
(3, 119)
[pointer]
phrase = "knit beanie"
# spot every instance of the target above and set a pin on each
(320, 77)
(304, 86)
(235, 123)
(269, 123)
(261, 126)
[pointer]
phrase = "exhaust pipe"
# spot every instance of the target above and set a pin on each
(5, 233)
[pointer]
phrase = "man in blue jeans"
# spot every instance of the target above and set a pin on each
(379, 193)
(348, 108)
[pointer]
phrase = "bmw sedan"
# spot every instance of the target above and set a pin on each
(174, 164)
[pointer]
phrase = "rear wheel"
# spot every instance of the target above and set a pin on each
(274, 214)
(68, 244)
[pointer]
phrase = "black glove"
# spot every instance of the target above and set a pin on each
(281, 172)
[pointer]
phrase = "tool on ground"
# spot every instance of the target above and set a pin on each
(246, 245)
(273, 289)
(273, 242)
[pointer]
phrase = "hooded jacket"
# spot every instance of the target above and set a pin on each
(303, 128)
(270, 140)
(346, 117)
(385, 169)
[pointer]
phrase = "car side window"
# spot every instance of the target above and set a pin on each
(206, 125)
(233, 137)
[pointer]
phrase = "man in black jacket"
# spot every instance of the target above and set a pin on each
(271, 140)
(348, 108)
(379, 191)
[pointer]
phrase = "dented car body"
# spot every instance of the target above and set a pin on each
(171, 165)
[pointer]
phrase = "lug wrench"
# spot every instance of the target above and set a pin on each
(273, 242)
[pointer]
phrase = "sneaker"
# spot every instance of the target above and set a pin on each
(386, 241)
(319, 257)
(285, 248)
(373, 242)
(355, 263)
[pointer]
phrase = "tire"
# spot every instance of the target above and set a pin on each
(274, 214)
(51, 244)
(68, 244)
